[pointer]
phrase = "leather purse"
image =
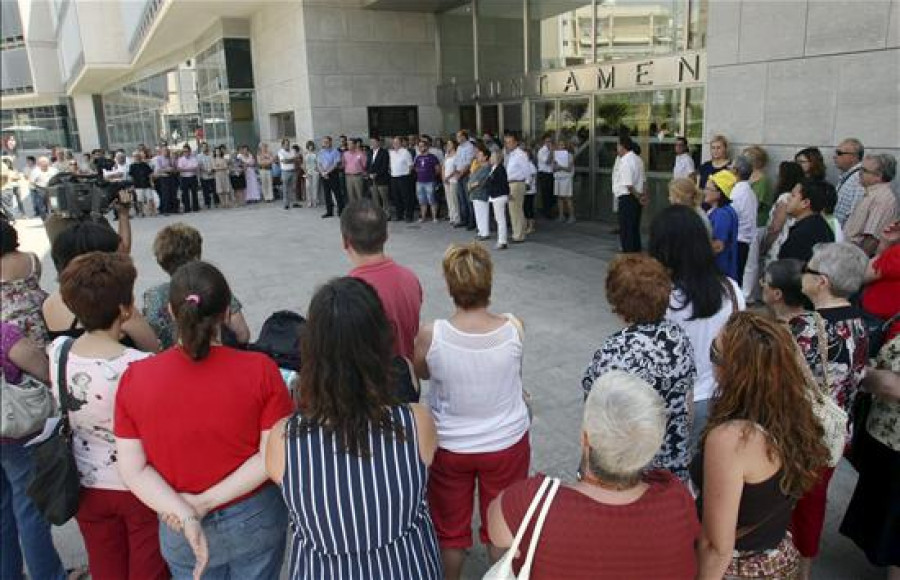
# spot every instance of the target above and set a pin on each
(56, 484)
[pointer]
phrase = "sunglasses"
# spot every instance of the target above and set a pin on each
(715, 357)
(838, 152)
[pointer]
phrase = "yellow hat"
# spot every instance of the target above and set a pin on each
(725, 180)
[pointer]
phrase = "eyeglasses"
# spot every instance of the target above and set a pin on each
(838, 152)
(808, 270)
(869, 171)
(715, 357)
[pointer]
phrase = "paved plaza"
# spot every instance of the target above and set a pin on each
(274, 259)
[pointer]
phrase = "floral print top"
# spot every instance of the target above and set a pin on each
(661, 354)
(156, 311)
(884, 417)
(20, 304)
(848, 345)
(92, 384)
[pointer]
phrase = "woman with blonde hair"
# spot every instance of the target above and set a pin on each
(761, 451)
(474, 362)
(719, 160)
(684, 191)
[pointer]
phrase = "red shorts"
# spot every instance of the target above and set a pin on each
(451, 488)
(809, 516)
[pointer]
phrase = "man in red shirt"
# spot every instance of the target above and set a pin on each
(364, 233)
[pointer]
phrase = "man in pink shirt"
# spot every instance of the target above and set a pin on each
(364, 233)
(354, 169)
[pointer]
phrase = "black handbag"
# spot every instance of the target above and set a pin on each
(56, 484)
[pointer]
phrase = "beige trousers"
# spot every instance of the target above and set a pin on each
(265, 180)
(354, 186)
(452, 202)
(517, 209)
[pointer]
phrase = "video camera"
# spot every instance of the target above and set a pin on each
(75, 196)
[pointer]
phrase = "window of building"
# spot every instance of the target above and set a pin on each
(283, 125)
(392, 121)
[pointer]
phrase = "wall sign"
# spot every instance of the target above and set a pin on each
(652, 72)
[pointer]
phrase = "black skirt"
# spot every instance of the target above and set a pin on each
(238, 181)
(872, 520)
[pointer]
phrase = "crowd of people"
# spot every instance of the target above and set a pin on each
(750, 358)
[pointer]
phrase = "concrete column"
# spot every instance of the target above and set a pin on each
(85, 115)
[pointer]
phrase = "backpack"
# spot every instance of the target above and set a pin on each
(280, 339)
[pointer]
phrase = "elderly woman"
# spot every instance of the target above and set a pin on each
(724, 221)
(355, 420)
(266, 159)
(718, 161)
(833, 274)
(617, 520)
(762, 448)
(881, 296)
(478, 195)
(474, 362)
(650, 347)
(498, 191)
(175, 246)
(683, 191)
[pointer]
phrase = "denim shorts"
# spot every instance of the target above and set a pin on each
(425, 193)
(246, 540)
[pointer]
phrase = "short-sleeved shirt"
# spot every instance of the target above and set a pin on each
(426, 168)
(803, 236)
(881, 297)
(465, 154)
(401, 162)
(661, 354)
(652, 537)
(140, 172)
(684, 166)
(156, 311)
(354, 162)
(198, 421)
(876, 209)
(628, 171)
(328, 159)
(401, 295)
(849, 192)
(707, 169)
(724, 222)
(92, 384)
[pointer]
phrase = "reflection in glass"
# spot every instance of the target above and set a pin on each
(575, 128)
(560, 34)
(490, 119)
(37, 128)
(635, 28)
(543, 119)
(512, 119)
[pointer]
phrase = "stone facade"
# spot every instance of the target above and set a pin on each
(799, 73)
(328, 62)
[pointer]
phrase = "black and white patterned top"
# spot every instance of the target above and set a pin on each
(661, 354)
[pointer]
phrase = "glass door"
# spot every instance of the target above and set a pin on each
(574, 128)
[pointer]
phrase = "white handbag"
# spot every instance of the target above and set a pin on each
(502, 569)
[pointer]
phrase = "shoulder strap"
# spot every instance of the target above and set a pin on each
(34, 265)
(61, 385)
(514, 548)
(852, 172)
(520, 328)
(732, 296)
(525, 571)
(823, 350)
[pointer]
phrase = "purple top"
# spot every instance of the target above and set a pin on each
(9, 336)
(426, 166)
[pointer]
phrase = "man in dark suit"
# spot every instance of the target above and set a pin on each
(380, 174)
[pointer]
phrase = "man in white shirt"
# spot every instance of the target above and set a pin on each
(40, 179)
(287, 160)
(684, 163)
(745, 204)
(465, 153)
(403, 195)
(545, 176)
(518, 168)
(628, 188)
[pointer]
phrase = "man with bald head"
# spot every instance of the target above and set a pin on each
(848, 159)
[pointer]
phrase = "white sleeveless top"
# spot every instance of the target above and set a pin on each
(476, 388)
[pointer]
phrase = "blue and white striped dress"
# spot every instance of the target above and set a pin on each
(356, 517)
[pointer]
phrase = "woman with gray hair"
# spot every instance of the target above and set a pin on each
(629, 522)
(833, 274)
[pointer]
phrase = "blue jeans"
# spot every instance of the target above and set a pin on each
(246, 540)
(20, 522)
(425, 193)
(466, 211)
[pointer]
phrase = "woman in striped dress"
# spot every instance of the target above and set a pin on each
(352, 462)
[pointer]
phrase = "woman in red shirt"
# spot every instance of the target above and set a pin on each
(630, 524)
(881, 295)
(191, 426)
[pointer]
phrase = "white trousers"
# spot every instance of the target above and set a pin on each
(751, 288)
(452, 202)
(499, 205)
